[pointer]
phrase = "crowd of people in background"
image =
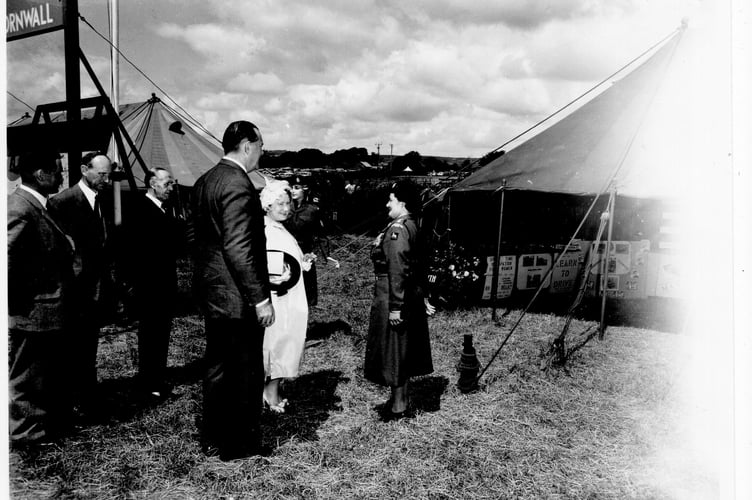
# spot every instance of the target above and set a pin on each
(254, 279)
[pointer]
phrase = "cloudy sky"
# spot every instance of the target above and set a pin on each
(441, 77)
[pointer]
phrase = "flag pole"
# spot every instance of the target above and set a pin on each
(115, 100)
(604, 275)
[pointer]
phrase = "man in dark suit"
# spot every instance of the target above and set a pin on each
(40, 273)
(152, 239)
(84, 213)
(231, 283)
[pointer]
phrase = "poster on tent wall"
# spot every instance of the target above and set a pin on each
(507, 266)
(625, 275)
(665, 268)
(664, 276)
(567, 270)
(532, 269)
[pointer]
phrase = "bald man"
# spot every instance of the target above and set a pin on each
(84, 213)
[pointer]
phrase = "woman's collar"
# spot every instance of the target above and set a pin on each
(272, 222)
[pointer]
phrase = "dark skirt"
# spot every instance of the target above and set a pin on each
(311, 285)
(393, 355)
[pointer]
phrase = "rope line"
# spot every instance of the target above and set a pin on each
(602, 82)
(609, 182)
(540, 286)
(198, 124)
(188, 117)
(25, 116)
(19, 100)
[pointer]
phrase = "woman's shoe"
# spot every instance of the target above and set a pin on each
(387, 415)
(278, 408)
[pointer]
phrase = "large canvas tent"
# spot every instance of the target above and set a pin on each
(633, 138)
(164, 139)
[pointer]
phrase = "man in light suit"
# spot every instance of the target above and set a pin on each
(84, 212)
(40, 273)
(231, 283)
(153, 240)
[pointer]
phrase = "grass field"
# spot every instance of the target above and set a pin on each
(615, 424)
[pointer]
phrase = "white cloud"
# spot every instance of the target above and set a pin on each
(274, 106)
(221, 101)
(441, 77)
(227, 43)
(258, 82)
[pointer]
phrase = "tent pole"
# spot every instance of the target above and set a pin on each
(115, 99)
(72, 88)
(124, 156)
(495, 276)
(604, 277)
(111, 111)
(449, 215)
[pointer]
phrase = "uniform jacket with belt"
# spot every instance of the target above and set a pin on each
(229, 246)
(40, 266)
(398, 255)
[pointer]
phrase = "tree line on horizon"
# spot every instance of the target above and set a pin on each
(353, 158)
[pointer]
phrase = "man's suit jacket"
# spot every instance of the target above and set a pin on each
(40, 266)
(71, 210)
(152, 240)
(230, 274)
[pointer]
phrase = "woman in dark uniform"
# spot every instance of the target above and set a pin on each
(305, 225)
(398, 343)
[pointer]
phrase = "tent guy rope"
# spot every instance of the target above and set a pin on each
(193, 120)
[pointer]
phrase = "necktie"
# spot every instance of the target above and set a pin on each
(100, 216)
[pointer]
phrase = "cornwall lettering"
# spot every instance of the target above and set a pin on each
(29, 18)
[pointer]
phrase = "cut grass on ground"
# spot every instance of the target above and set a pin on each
(604, 428)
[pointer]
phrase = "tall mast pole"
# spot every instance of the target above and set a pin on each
(72, 88)
(115, 100)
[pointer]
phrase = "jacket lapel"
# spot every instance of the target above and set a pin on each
(43, 213)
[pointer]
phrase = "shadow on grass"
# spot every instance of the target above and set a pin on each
(654, 313)
(425, 393)
(121, 400)
(311, 399)
(324, 329)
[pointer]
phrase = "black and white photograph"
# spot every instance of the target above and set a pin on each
(376, 249)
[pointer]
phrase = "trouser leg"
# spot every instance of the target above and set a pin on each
(81, 355)
(36, 386)
(153, 346)
(233, 386)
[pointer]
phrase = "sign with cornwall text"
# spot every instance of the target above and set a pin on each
(25, 18)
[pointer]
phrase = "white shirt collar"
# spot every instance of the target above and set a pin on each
(88, 192)
(156, 200)
(36, 194)
(236, 162)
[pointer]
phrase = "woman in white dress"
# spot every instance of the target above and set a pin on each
(284, 341)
